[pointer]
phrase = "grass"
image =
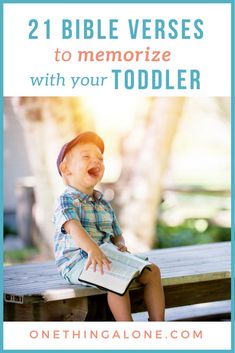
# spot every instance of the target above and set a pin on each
(19, 256)
(190, 232)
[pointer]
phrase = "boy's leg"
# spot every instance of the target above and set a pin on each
(153, 293)
(120, 306)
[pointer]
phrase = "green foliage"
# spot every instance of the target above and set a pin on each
(7, 230)
(19, 256)
(188, 234)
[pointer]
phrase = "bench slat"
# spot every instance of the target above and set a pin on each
(179, 265)
(204, 311)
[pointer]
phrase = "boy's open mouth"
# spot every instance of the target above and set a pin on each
(94, 172)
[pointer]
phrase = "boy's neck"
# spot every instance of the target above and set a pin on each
(84, 190)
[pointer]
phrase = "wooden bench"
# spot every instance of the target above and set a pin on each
(190, 275)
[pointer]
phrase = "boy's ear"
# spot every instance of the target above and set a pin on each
(64, 169)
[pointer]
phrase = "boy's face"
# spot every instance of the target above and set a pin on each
(84, 167)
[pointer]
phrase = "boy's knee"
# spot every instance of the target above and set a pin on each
(152, 274)
(155, 270)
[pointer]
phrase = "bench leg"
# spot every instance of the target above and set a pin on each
(62, 310)
(98, 309)
(94, 308)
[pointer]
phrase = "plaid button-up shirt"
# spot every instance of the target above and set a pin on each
(96, 216)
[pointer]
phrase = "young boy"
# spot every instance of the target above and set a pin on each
(84, 220)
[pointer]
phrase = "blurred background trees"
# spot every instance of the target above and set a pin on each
(167, 166)
(139, 188)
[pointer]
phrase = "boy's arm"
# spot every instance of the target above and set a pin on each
(82, 239)
(119, 241)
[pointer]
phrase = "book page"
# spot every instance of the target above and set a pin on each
(115, 279)
(126, 258)
(123, 268)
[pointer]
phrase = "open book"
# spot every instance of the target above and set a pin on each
(125, 267)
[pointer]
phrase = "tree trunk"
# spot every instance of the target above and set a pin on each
(48, 122)
(139, 188)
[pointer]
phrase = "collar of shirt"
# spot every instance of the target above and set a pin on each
(97, 195)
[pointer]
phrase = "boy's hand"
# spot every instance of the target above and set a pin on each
(97, 257)
(121, 247)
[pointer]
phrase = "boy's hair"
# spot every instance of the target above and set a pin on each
(85, 137)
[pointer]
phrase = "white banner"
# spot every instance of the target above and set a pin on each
(117, 335)
(146, 49)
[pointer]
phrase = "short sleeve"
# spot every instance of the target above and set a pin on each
(64, 211)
